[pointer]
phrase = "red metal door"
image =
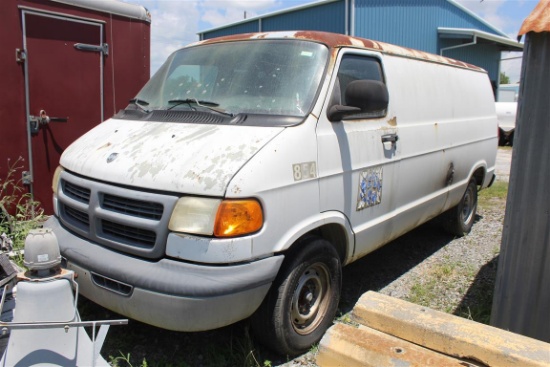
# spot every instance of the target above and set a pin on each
(63, 89)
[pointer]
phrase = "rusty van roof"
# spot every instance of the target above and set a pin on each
(335, 40)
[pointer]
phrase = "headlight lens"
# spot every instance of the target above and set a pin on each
(55, 179)
(227, 218)
(194, 215)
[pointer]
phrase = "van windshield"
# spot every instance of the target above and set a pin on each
(267, 77)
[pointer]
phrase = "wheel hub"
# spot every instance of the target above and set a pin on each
(309, 301)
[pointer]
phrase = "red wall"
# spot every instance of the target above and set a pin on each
(126, 69)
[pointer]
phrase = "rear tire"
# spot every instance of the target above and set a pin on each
(502, 138)
(460, 219)
(303, 300)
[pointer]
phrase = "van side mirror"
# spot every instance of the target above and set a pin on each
(362, 96)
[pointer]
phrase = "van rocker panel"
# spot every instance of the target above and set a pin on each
(186, 297)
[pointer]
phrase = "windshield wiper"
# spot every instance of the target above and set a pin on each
(201, 103)
(141, 104)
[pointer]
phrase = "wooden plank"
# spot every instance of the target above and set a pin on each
(448, 334)
(349, 346)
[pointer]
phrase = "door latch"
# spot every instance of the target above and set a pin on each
(20, 55)
(35, 122)
(103, 48)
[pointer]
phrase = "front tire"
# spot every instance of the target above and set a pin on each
(303, 300)
(460, 219)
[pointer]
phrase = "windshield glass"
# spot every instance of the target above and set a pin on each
(274, 77)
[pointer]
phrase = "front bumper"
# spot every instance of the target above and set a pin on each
(166, 293)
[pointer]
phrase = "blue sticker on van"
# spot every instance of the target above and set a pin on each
(370, 188)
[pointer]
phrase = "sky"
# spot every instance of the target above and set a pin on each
(175, 23)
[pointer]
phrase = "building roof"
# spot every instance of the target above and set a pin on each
(480, 37)
(538, 21)
(335, 40)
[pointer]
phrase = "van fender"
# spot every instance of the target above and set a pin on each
(482, 180)
(312, 223)
(456, 190)
(473, 172)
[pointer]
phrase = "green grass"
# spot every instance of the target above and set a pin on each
(494, 196)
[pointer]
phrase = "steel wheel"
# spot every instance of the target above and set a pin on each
(460, 219)
(303, 300)
(468, 205)
(310, 301)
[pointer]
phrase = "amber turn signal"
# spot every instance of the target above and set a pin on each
(238, 217)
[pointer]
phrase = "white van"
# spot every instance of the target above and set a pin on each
(251, 168)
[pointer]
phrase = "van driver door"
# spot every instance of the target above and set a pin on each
(358, 157)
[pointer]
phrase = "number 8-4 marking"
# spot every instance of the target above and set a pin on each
(304, 171)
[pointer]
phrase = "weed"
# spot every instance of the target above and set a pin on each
(19, 213)
(346, 319)
(115, 361)
(314, 349)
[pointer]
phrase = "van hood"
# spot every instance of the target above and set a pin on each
(178, 157)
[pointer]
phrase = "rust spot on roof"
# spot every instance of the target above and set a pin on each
(335, 41)
(539, 19)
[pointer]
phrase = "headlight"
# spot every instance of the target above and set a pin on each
(194, 215)
(227, 218)
(55, 180)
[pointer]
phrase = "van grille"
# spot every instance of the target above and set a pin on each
(76, 192)
(137, 208)
(77, 216)
(127, 234)
(124, 219)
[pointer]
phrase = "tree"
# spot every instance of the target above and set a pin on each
(504, 79)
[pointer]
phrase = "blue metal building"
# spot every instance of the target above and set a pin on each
(441, 27)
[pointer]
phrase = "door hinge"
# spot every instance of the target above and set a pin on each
(20, 55)
(103, 48)
(26, 178)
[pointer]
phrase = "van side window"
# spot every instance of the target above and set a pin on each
(352, 68)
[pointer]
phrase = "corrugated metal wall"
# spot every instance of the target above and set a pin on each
(414, 24)
(243, 27)
(521, 301)
(410, 23)
(329, 17)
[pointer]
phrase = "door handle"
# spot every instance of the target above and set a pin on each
(389, 138)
